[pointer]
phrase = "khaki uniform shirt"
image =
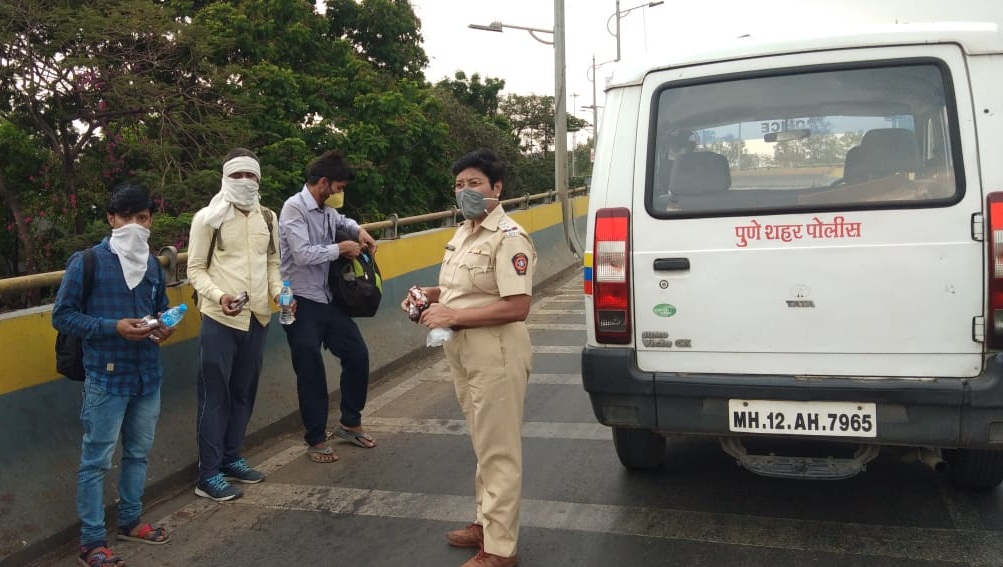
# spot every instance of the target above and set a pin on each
(240, 262)
(496, 260)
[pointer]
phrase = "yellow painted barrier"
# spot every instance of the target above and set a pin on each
(27, 339)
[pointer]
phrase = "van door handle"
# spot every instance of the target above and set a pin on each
(671, 264)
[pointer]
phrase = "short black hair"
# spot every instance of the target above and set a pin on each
(129, 198)
(483, 160)
(681, 140)
(240, 152)
(331, 165)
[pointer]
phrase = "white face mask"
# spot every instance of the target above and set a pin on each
(243, 193)
(129, 243)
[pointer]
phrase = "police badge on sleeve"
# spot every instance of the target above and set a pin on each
(521, 263)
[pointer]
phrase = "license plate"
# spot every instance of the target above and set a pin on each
(832, 419)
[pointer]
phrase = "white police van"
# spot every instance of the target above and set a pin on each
(804, 240)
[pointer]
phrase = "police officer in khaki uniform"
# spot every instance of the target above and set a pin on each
(484, 292)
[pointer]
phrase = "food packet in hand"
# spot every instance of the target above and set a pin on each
(240, 301)
(417, 302)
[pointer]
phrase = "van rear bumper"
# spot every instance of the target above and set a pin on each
(945, 412)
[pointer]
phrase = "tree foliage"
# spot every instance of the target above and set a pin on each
(96, 91)
(481, 97)
(386, 33)
(77, 74)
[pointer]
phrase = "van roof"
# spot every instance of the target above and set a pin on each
(973, 37)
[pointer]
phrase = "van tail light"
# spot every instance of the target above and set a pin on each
(994, 204)
(611, 276)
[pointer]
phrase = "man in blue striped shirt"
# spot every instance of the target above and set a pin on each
(122, 364)
(307, 246)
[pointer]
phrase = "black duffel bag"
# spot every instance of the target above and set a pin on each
(356, 284)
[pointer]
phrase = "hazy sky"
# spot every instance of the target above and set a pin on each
(527, 66)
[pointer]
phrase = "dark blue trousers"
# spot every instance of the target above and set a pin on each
(229, 366)
(316, 325)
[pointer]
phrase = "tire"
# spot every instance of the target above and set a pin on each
(975, 469)
(639, 448)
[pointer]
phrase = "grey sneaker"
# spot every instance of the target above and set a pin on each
(218, 489)
(240, 471)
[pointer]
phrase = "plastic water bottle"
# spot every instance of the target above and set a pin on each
(286, 316)
(173, 316)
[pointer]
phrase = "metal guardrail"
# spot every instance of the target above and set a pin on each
(171, 259)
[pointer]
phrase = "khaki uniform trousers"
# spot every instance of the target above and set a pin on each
(490, 367)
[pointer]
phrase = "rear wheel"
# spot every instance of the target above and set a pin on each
(974, 468)
(639, 448)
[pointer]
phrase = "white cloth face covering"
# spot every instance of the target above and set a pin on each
(130, 243)
(240, 193)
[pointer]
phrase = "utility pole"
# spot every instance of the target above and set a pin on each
(617, 30)
(574, 136)
(561, 131)
(595, 112)
(618, 14)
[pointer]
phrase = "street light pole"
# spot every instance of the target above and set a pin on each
(560, 116)
(574, 136)
(497, 26)
(618, 14)
(617, 30)
(595, 111)
(591, 74)
(561, 131)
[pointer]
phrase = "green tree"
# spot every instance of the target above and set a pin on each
(308, 82)
(470, 129)
(582, 154)
(532, 122)
(385, 32)
(481, 97)
(17, 181)
(93, 91)
(77, 72)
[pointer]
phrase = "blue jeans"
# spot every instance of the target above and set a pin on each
(105, 417)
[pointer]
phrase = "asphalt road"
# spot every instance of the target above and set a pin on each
(392, 505)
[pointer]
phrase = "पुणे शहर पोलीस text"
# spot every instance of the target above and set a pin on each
(838, 228)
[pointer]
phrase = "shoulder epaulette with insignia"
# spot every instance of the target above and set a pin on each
(508, 229)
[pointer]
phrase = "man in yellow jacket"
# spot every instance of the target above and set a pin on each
(233, 248)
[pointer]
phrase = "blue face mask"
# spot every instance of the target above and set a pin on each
(472, 203)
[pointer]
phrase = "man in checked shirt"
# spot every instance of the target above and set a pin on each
(123, 372)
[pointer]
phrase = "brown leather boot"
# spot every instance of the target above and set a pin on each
(483, 559)
(470, 536)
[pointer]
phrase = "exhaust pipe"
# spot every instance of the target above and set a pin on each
(933, 459)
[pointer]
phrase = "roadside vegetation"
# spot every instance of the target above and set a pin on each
(95, 91)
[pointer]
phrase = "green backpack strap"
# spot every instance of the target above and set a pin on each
(212, 248)
(269, 217)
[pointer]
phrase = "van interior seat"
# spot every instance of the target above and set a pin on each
(699, 173)
(853, 167)
(886, 151)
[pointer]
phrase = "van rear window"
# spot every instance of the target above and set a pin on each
(867, 137)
